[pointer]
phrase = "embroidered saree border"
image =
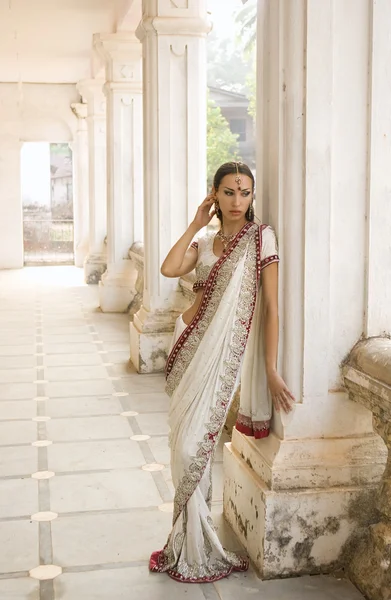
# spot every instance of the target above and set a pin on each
(242, 324)
(216, 284)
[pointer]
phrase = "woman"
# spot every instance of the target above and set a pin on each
(208, 359)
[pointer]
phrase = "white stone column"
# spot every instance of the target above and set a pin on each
(121, 53)
(174, 75)
(293, 498)
(11, 207)
(81, 185)
(96, 261)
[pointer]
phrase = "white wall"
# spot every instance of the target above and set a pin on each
(28, 113)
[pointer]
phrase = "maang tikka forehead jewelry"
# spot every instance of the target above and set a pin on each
(238, 178)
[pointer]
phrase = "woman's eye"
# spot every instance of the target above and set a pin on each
(245, 194)
(228, 193)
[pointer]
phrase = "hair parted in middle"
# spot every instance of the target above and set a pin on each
(234, 168)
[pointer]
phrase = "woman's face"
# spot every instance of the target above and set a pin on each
(234, 198)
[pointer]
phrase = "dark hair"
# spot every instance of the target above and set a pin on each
(231, 168)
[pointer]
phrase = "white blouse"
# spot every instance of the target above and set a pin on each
(207, 258)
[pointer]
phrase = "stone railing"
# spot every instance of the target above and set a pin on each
(367, 376)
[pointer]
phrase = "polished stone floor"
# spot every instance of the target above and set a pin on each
(85, 488)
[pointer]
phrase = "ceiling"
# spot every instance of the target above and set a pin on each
(49, 41)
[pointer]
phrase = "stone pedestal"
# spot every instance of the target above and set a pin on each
(295, 498)
(367, 376)
(96, 261)
(174, 96)
(80, 170)
(121, 53)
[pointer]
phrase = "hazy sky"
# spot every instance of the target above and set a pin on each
(222, 15)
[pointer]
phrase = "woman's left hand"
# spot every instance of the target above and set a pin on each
(281, 396)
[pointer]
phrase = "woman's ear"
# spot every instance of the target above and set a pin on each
(213, 189)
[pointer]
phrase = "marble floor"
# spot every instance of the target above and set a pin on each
(85, 487)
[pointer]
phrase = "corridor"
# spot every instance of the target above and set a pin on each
(85, 489)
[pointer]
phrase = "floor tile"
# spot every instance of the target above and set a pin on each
(19, 432)
(85, 372)
(17, 362)
(21, 540)
(69, 348)
(20, 409)
(24, 495)
(26, 349)
(18, 460)
(79, 388)
(147, 403)
(19, 589)
(62, 360)
(103, 491)
(16, 375)
(88, 428)
(160, 450)
(17, 391)
(153, 424)
(99, 539)
(123, 584)
(85, 406)
(67, 338)
(299, 588)
(90, 456)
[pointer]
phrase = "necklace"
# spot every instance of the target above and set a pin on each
(225, 239)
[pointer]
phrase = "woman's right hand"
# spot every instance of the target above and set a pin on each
(203, 215)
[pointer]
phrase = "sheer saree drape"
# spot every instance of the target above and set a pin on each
(203, 371)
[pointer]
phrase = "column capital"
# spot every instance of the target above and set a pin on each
(175, 26)
(91, 91)
(121, 53)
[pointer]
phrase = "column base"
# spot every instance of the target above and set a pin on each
(370, 568)
(94, 267)
(294, 517)
(150, 340)
(117, 288)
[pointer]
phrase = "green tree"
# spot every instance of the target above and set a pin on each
(252, 93)
(222, 144)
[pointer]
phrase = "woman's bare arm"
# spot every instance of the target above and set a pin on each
(282, 397)
(181, 259)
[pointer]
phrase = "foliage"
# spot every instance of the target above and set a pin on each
(246, 20)
(222, 144)
(227, 67)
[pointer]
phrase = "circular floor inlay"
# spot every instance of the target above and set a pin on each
(103, 351)
(120, 394)
(140, 438)
(40, 368)
(97, 342)
(168, 507)
(41, 419)
(44, 516)
(108, 364)
(114, 378)
(43, 475)
(40, 381)
(45, 572)
(41, 398)
(39, 354)
(129, 413)
(42, 443)
(153, 467)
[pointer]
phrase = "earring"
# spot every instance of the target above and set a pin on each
(250, 213)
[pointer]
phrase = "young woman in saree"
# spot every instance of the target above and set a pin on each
(228, 336)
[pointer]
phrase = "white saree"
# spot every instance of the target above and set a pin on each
(203, 372)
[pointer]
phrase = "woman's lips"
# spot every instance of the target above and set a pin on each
(235, 212)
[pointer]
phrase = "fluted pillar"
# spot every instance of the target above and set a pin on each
(80, 170)
(295, 498)
(174, 93)
(121, 53)
(96, 260)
